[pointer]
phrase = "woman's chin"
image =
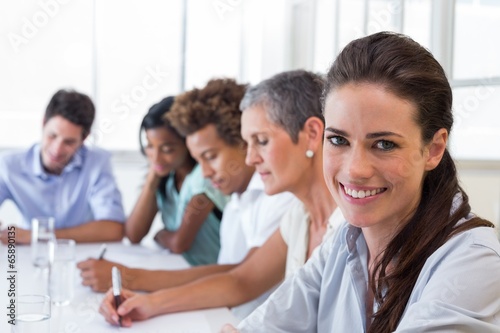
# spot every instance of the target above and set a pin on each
(161, 173)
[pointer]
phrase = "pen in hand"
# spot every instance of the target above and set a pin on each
(102, 251)
(116, 280)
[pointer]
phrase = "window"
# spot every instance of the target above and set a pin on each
(476, 80)
(338, 22)
(127, 55)
(476, 50)
(213, 42)
(125, 66)
(44, 48)
(139, 62)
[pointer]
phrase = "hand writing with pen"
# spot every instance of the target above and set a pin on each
(96, 273)
(133, 307)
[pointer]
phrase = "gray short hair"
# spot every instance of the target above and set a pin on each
(289, 98)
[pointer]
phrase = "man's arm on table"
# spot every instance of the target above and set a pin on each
(93, 231)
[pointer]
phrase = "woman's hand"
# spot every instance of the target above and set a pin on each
(133, 307)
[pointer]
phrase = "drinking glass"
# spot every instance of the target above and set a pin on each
(62, 271)
(42, 231)
(33, 314)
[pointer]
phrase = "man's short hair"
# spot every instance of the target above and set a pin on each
(74, 107)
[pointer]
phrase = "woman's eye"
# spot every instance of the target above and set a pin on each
(166, 150)
(262, 142)
(209, 157)
(338, 140)
(385, 145)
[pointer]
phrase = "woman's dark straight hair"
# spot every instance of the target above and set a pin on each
(409, 71)
(155, 118)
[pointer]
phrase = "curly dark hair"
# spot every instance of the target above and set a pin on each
(217, 103)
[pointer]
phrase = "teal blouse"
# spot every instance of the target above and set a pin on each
(172, 205)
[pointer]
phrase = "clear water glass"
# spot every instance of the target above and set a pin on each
(62, 271)
(42, 231)
(33, 314)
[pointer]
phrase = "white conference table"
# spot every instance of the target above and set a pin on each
(82, 316)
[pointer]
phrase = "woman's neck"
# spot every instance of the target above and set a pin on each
(376, 249)
(378, 236)
(320, 208)
(316, 197)
(320, 205)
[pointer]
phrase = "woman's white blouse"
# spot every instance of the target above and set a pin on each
(294, 229)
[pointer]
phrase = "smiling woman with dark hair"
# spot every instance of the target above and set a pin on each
(412, 257)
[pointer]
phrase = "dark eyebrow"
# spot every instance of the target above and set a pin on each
(336, 131)
(70, 141)
(256, 134)
(170, 143)
(380, 134)
(368, 136)
(208, 151)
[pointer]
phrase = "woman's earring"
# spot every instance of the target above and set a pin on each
(309, 153)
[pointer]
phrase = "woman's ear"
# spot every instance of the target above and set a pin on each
(436, 149)
(314, 130)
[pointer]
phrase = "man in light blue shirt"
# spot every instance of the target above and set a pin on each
(63, 178)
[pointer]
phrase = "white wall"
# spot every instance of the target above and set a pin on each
(481, 181)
